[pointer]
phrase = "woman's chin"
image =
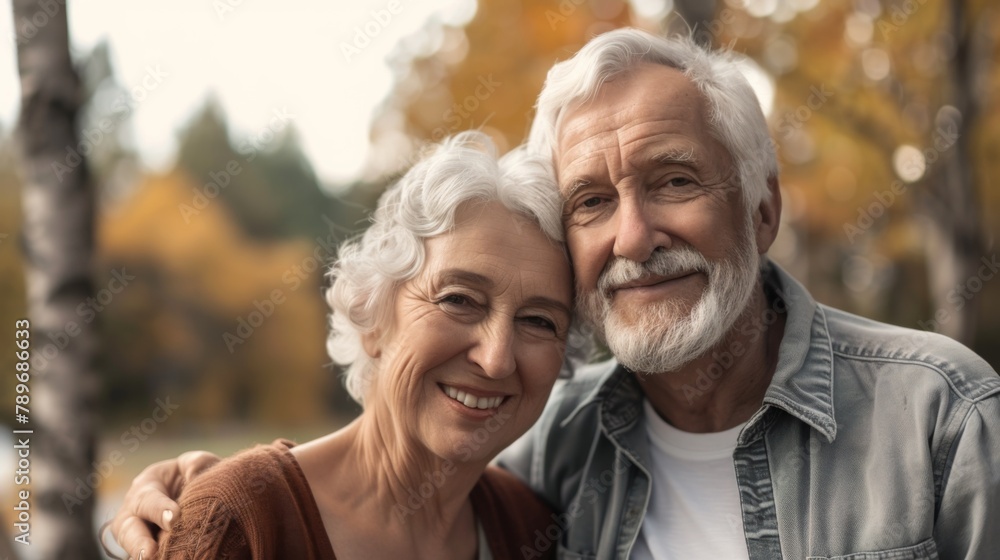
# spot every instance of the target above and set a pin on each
(468, 444)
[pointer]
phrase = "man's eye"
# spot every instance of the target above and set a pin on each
(591, 202)
(679, 182)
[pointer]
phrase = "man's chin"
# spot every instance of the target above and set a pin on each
(667, 344)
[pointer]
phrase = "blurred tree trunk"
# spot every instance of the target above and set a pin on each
(6, 544)
(955, 237)
(58, 206)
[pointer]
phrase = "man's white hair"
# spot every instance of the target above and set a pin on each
(734, 115)
(464, 168)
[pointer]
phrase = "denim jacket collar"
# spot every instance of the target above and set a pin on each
(803, 380)
(802, 384)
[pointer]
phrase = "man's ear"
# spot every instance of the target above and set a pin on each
(371, 341)
(768, 216)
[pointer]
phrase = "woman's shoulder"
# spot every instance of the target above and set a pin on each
(250, 476)
(240, 499)
(507, 487)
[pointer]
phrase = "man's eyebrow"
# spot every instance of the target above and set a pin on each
(575, 185)
(675, 155)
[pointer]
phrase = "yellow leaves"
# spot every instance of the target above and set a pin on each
(200, 280)
(509, 48)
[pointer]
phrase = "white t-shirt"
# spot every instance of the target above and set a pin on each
(694, 511)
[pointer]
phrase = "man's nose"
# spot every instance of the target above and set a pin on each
(638, 233)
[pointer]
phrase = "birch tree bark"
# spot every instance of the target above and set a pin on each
(58, 240)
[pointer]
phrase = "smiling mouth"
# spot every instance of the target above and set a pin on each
(472, 401)
(650, 281)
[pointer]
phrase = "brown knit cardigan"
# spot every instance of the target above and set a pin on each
(258, 505)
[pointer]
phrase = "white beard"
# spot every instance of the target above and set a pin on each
(660, 338)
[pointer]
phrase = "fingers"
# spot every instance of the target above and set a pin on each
(193, 463)
(153, 505)
(150, 504)
(134, 536)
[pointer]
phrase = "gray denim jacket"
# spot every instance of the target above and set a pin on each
(873, 442)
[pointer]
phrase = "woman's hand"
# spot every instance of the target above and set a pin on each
(150, 504)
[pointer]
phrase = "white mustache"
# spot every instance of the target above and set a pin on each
(662, 262)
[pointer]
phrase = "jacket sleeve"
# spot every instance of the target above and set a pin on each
(969, 516)
(518, 458)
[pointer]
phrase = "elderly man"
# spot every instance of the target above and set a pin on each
(739, 418)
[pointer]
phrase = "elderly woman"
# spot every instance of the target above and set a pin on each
(453, 312)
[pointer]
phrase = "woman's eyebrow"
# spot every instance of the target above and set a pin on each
(463, 276)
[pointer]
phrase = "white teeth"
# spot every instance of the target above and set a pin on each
(472, 401)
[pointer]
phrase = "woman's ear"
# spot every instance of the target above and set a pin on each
(371, 342)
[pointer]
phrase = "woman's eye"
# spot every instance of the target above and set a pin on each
(679, 182)
(591, 202)
(455, 299)
(540, 322)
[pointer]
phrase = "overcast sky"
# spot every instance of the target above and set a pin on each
(303, 57)
(323, 62)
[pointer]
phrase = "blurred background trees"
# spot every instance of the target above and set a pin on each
(884, 115)
(57, 418)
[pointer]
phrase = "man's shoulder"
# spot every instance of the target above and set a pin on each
(583, 387)
(557, 445)
(862, 342)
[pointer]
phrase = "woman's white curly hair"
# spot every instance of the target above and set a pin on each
(463, 168)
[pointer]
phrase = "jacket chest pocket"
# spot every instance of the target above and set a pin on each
(924, 550)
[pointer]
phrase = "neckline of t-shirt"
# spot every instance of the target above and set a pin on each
(687, 445)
